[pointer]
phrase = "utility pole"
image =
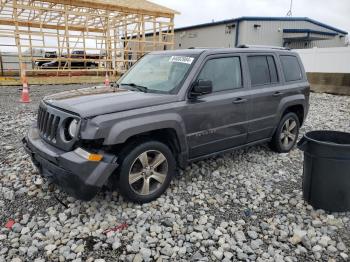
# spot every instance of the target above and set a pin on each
(290, 9)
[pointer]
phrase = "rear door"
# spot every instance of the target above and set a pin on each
(217, 121)
(266, 93)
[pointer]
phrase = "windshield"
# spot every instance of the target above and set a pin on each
(157, 73)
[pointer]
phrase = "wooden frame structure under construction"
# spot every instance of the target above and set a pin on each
(82, 37)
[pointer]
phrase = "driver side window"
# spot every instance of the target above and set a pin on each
(225, 73)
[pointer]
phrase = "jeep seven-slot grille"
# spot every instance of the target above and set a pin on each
(48, 124)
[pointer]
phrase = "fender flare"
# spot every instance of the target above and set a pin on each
(289, 101)
(286, 102)
(121, 131)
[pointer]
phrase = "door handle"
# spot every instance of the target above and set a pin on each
(277, 93)
(239, 101)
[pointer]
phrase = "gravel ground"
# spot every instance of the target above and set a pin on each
(246, 205)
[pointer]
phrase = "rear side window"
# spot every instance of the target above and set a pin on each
(262, 70)
(225, 73)
(291, 68)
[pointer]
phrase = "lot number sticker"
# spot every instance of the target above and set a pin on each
(181, 59)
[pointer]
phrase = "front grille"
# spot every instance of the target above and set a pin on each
(48, 124)
(52, 125)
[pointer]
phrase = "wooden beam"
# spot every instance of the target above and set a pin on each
(24, 9)
(4, 21)
(143, 33)
(154, 34)
(41, 11)
(31, 49)
(66, 32)
(17, 35)
(172, 34)
(3, 4)
(115, 7)
(47, 9)
(108, 42)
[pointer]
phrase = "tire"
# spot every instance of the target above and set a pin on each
(137, 160)
(286, 134)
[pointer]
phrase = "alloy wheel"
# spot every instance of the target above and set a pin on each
(148, 172)
(289, 132)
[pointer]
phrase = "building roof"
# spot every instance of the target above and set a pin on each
(135, 6)
(258, 18)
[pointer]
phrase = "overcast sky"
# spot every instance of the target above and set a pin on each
(332, 12)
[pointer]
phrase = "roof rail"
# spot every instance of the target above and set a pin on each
(263, 46)
(198, 47)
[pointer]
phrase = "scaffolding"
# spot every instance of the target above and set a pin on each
(81, 38)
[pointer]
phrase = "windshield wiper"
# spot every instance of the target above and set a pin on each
(138, 87)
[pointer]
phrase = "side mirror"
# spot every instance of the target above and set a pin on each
(201, 87)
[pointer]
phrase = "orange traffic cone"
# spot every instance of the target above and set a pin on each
(25, 90)
(107, 80)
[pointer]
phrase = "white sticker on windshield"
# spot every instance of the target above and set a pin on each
(181, 59)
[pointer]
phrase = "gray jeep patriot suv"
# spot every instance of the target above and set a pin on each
(170, 108)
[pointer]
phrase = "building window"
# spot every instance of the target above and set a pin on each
(229, 28)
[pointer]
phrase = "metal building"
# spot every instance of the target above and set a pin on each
(292, 32)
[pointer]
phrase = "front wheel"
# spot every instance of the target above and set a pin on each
(146, 171)
(286, 134)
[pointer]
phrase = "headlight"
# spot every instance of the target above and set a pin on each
(73, 128)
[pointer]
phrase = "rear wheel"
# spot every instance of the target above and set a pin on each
(286, 134)
(146, 171)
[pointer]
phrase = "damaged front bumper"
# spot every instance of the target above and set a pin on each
(73, 173)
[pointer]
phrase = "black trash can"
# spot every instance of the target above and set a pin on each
(326, 176)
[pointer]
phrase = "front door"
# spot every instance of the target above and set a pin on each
(217, 121)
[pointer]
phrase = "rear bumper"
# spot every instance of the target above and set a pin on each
(74, 174)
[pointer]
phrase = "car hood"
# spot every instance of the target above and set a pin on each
(93, 101)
